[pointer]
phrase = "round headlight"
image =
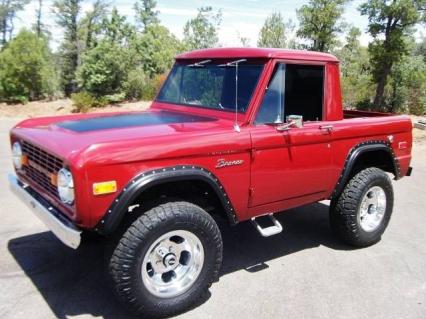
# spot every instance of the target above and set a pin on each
(65, 186)
(17, 155)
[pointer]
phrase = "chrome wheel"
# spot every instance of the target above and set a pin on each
(172, 263)
(372, 209)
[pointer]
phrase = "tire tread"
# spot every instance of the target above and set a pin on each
(126, 253)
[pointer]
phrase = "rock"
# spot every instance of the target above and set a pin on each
(420, 125)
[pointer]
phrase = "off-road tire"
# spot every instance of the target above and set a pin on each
(345, 210)
(126, 262)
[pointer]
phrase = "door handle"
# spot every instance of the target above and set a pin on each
(328, 128)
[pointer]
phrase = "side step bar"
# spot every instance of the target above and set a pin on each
(271, 230)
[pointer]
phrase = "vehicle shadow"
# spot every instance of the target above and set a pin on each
(75, 282)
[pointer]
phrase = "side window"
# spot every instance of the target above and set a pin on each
(294, 90)
(304, 91)
(272, 108)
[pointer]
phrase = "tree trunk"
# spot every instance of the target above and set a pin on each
(380, 90)
(38, 24)
(4, 31)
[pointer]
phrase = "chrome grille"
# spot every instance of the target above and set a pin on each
(41, 166)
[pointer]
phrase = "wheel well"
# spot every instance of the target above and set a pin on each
(198, 192)
(369, 156)
(375, 158)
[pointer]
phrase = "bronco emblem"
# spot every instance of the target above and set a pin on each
(224, 163)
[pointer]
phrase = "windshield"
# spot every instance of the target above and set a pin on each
(210, 85)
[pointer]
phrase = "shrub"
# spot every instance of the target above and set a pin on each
(26, 71)
(135, 84)
(152, 87)
(364, 105)
(103, 69)
(115, 98)
(83, 101)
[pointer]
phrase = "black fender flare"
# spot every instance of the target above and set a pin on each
(145, 180)
(356, 152)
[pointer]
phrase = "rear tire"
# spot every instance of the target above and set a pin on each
(167, 259)
(360, 215)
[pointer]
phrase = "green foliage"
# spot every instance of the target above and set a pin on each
(107, 59)
(83, 101)
(201, 32)
(8, 10)
(408, 86)
(156, 49)
(103, 69)
(356, 80)
(145, 13)
(320, 23)
(26, 72)
(67, 12)
(135, 84)
(115, 98)
(273, 32)
(116, 29)
(405, 91)
(389, 24)
(355, 72)
(91, 24)
(153, 86)
(138, 86)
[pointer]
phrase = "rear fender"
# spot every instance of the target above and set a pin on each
(354, 155)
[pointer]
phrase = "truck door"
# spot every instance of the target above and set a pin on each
(291, 167)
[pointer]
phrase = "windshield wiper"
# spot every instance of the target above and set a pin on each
(233, 63)
(199, 64)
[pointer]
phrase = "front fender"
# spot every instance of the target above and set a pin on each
(140, 183)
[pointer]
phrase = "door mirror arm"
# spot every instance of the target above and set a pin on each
(295, 121)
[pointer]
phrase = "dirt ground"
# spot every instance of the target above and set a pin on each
(60, 107)
(419, 136)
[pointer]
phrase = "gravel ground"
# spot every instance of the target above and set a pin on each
(304, 272)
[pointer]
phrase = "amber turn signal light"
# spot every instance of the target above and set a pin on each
(104, 188)
(24, 160)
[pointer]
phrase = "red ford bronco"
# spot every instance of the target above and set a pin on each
(235, 133)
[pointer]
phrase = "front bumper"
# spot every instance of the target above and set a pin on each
(62, 227)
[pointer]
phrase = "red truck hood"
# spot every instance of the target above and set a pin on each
(106, 134)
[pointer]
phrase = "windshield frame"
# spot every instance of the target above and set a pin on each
(255, 62)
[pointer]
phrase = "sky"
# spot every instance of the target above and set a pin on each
(241, 18)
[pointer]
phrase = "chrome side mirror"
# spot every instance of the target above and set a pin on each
(292, 121)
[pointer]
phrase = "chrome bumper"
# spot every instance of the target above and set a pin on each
(64, 229)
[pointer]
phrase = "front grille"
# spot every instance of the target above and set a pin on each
(41, 167)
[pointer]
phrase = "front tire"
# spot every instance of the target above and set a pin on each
(360, 215)
(167, 259)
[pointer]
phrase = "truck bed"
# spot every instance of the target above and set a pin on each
(350, 114)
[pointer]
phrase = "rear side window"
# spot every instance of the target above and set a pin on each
(293, 90)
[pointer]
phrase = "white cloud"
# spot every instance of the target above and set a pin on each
(177, 12)
(228, 33)
(248, 14)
